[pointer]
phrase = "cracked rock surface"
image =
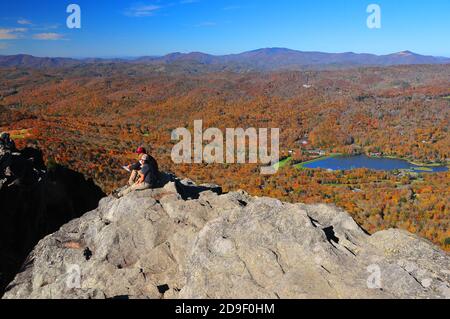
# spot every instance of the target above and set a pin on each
(187, 241)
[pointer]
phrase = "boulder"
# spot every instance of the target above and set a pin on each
(189, 241)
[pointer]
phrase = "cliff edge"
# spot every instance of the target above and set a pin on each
(37, 203)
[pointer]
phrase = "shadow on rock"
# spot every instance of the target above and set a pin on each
(32, 210)
(187, 188)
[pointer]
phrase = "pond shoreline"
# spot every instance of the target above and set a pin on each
(413, 162)
(420, 167)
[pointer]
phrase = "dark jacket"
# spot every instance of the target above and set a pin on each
(150, 171)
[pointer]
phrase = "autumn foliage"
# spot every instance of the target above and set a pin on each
(92, 117)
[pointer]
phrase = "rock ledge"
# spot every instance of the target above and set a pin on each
(188, 241)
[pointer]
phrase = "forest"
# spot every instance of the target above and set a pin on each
(92, 117)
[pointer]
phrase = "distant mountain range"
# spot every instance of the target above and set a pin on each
(262, 59)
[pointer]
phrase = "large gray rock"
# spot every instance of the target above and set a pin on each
(160, 244)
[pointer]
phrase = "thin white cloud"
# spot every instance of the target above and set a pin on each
(11, 33)
(142, 10)
(149, 10)
(24, 22)
(3, 45)
(48, 36)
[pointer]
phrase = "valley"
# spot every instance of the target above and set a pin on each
(91, 117)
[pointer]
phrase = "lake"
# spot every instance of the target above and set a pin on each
(363, 161)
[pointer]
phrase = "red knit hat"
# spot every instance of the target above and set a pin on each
(141, 150)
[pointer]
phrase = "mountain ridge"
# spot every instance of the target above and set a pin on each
(265, 59)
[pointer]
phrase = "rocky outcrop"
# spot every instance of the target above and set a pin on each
(186, 241)
(38, 205)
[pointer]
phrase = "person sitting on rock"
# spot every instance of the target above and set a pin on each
(136, 167)
(7, 147)
(148, 176)
(7, 143)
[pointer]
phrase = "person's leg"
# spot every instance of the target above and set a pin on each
(133, 178)
(135, 187)
(141, 187)
(126, 191)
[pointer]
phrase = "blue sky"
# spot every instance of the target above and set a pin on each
(155, 27)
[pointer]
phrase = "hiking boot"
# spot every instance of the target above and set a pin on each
(115, 194)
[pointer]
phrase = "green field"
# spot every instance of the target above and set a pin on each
(423, 169)
(282, 163)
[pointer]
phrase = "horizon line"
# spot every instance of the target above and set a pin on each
(131, 57)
